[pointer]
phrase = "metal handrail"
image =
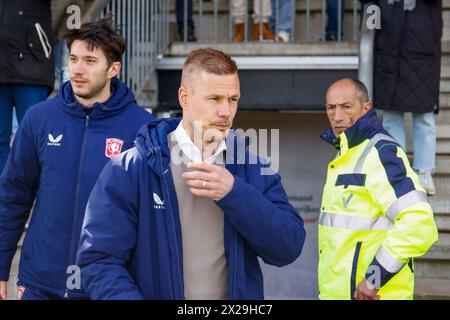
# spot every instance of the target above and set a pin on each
(366, 49)
(145, 26)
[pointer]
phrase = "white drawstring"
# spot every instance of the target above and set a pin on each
(44, 40)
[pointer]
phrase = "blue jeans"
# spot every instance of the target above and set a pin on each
(284, 16)
(332, 15)
(20, 96)
(180, 14)
(424, 136)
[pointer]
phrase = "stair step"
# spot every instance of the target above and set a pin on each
(445, 72)
(440, 204)
(445, 86)
(442, 147)
(435, 264)
(181, 49)
(441, 209)
(444, 100)
(443, 117)
(442, 183)
(436, 289)
(440, 250)
(443, 165)
(442, 130)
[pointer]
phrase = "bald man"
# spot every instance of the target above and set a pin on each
(190, 218)
(375, 217)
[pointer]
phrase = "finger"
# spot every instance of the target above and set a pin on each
(201, 166)
(372, 296)
(201, 184)
(196, 175)
(203, 193)
(3, 293)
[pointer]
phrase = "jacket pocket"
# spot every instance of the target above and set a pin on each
(353, 283)
(351, 179)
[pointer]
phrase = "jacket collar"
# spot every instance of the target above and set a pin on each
(364, 128)
(151, 142)
(121, 99)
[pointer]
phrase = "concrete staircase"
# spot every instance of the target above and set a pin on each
(433, 269)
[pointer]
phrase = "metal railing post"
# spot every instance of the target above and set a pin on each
(185, 19)
(216, 15)
(366, 49)
(339, 29)
(323, 20)
(308, 20)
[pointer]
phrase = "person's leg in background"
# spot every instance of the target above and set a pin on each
(6, 107)
(180, 20)
(424, 141)
(15, 123)
(331, 30)
(262, 10)
(238, 12)
(25, 95)
(283, 30)
(393, 122)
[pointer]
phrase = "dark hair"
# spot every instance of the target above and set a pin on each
(360, 90)
(212, 61)
(99, 34)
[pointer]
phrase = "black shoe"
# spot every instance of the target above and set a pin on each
(330, 37)
(190, 34)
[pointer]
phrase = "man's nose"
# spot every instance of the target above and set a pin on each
(338, 114)
(224, 110)
(77, 68)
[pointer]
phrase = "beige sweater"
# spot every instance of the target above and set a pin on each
(202, 221)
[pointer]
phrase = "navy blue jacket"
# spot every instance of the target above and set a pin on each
(56, 158)
(130, 244)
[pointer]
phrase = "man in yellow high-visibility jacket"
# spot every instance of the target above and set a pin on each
(375, 217)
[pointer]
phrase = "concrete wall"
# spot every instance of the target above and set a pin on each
(303, 162)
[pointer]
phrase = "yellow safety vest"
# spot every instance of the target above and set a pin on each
(372, 207)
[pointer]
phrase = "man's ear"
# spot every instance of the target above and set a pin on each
(182, 97)
(367, 106)
(114, 69)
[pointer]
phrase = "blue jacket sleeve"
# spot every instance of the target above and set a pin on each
(18, 186)
(108, 237)
(269, 223)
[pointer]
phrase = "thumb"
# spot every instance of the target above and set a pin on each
(2, 290)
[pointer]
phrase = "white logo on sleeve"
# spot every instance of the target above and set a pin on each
(52, 141)
(159, 204)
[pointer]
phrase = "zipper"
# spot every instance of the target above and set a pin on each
(353, 283)
(173, 219)
(233, 296)
(77, 196)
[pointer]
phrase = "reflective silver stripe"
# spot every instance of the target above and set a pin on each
(354, 222)
(388, 261)
(404, 202)
(372, 142)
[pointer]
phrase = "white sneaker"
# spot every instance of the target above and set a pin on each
(426, 180)
(283, 36)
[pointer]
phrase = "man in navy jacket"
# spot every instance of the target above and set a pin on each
(169, 220)
(58, 153)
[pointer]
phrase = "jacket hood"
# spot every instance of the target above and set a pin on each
(151, 142)
(364, 128)
(121, 99)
